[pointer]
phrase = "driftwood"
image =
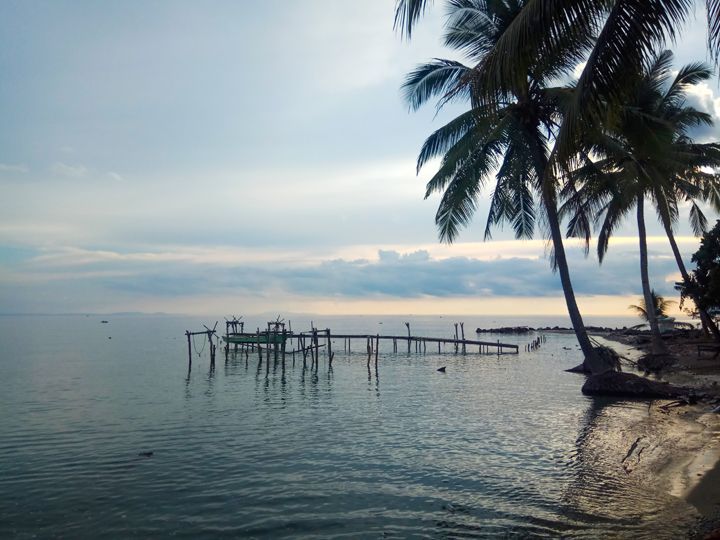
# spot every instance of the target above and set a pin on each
(613, 383)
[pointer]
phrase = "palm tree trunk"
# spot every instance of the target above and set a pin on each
(592, 362)
(704, 317)
(658, 347)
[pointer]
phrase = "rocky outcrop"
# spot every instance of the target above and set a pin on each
(506, 330)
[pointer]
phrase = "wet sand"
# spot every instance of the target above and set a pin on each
(677, 448)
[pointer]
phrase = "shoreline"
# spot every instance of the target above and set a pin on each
(677, 448)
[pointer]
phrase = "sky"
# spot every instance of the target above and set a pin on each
(251, 157)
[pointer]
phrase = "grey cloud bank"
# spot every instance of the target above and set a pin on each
(66, 284)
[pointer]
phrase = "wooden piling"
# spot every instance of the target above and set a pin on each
(187, 333)
(408, 330)
(377, 349)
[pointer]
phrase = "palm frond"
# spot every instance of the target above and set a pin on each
(439, 78)
(633, 30)
(698, 221)
(443, 139)
(713, 16)
(407, 14)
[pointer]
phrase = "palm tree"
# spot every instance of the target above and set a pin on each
(661, 306)
(641, 152)
(508, 136)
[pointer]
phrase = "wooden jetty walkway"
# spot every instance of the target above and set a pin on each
(276, 338)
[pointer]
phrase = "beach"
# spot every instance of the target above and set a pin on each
(677, 448)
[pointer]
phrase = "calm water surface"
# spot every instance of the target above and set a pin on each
(495, 447)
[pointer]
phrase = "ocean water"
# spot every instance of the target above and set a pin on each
(497, 446)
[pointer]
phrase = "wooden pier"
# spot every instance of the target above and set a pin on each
(278, 341)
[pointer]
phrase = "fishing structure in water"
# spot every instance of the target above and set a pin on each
(278, 340)
(209, 336)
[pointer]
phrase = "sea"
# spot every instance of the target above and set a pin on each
(107, 430)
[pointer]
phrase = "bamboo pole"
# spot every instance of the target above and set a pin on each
(187, 333)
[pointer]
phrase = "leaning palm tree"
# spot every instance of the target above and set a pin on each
(642, 151)
(659, 303)
(507, 138)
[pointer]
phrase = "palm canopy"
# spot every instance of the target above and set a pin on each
(627, 34)
(508, 137)
(643, 149)
(661, 306)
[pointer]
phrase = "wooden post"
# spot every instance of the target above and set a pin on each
(317, 347)
(377, 349)
(408, 330)
(301, 339)
(456, 337)
(212, 348)
(462, 330)
(329, 344)
(258, 345)
(187, 333)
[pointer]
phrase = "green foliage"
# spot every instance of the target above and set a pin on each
(704, 284)
(642, 150)
(505, 139)
(615, 37)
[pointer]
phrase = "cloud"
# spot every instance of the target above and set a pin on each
(391, 274)
(19, 168)
(69, 171)
(702, 97)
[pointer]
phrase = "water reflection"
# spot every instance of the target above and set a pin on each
(373, 381)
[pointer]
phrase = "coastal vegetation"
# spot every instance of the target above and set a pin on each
(590, 150)
(660, 306)
(703, 283)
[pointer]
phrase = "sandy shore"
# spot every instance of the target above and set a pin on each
(677, 448)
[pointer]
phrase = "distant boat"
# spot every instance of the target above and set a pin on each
(104, 322)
